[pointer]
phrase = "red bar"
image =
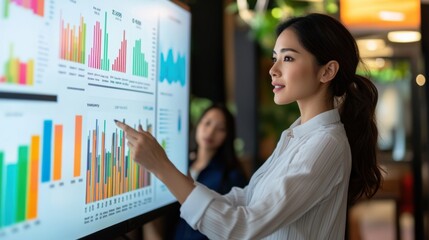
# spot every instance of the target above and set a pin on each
(125, 54)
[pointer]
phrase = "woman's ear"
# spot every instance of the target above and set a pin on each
(329, 71)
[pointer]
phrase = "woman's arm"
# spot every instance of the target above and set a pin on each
(146, 151)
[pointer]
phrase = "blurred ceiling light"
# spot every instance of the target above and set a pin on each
(374, 63)
(371, 44)
(372, 48)
(404, 36)
(380, 62)
(391, 16)
(420, 80)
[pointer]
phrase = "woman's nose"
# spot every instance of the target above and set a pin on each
(274, 71)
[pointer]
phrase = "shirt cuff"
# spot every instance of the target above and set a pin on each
(196, 204)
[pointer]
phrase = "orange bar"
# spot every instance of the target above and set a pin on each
(58, 149)
(109, 187)
(34, 177)
(114, 184)
(41, 7)
(105, 190)
(96, 192)
(72, 44)
(77, 145)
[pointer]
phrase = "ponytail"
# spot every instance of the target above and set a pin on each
(358, 116)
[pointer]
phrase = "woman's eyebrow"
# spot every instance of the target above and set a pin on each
(283, 50)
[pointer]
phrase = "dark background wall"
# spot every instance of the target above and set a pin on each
(207, 70)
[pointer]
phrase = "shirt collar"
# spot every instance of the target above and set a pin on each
(322, 119)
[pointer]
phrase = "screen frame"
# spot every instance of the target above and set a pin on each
(131, 224)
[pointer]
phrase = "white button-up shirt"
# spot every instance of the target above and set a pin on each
(300, 192)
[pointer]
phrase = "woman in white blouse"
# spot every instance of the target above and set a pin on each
(323, 162)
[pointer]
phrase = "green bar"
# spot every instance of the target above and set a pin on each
(22, 178)
(83, 44)
(8, 65)
(105, 61)
(134, 59)
(6, 10)
(75, 50)
(1, 188)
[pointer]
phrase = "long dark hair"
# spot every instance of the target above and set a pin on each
(226, 152)
(327, 39)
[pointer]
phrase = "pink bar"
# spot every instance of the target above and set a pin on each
(120, 59)
(22, 73)
(99, 32)
(34, 6)
(122, 56)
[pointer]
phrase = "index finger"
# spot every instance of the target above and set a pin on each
(127, 129)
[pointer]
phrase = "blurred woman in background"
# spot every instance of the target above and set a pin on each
(213, 163)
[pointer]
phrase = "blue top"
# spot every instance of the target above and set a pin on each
(211, 177)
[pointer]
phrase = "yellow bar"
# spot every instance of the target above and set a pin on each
(58, 145)
(33, 184)
(13, 70)
(30, 72)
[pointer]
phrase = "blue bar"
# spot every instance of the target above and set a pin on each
(1, 188)
(10, 200)
(88, 155)
(46, 154)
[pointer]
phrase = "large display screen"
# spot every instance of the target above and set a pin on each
(68, 68)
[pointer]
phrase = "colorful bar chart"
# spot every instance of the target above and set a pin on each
(172, 70)
(36, 6)
(120, 62)
(39, 161)
(110, 171)
(17, 72)
(95, 59)
(72, 41)
(140, 65)
(19, 194)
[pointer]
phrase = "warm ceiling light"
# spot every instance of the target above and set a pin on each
(420, 80)
(373, 47)
(371, 44)
(391, 16)
(404, 36)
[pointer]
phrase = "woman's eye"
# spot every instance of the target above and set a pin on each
(273, 59)
(288, 59)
